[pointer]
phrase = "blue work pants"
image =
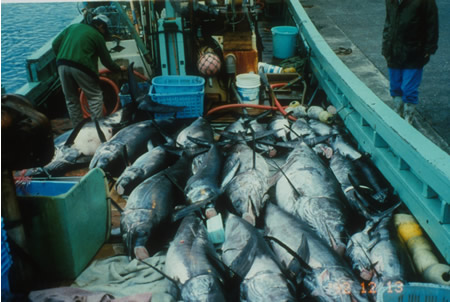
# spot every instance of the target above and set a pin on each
(405, 83)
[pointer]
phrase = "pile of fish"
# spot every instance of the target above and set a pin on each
(305, 215)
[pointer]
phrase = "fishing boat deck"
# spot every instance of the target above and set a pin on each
(114, 245)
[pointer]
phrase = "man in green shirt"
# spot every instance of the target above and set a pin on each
(77, 50)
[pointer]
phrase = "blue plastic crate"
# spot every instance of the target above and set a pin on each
(178, 84)
(415, 291)
(192, 102)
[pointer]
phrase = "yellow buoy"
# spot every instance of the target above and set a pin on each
(421, 250)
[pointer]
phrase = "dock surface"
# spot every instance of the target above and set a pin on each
(358, 25)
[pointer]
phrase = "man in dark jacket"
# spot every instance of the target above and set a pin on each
(77, 50)
(410, 36)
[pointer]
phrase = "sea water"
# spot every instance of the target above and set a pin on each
(26, 27)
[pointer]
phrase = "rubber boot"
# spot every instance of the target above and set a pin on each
(409, 112)
(398, 105)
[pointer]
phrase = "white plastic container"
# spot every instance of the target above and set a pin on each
(215, 229)
(269, 68)
(248, 85)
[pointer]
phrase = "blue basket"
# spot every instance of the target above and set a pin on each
(415, 291)
(192, 102)
(178, 84)
(6, 261)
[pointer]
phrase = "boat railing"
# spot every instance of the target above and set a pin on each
(42, 75)
(417, 169)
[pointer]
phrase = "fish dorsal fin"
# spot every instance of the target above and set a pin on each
(249, 119)
(125, 157)
(287, 178)
(195, 207)
(133, 86)
(232, 278)
(199, 141)
(173, 181)
(230, 175)
(242, 264)
(167, 137)
(301, 256)
(147, 104)
(173, 150)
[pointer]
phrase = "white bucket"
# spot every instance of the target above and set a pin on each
(248, 87)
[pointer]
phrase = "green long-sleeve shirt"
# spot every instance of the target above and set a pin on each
(81, 45)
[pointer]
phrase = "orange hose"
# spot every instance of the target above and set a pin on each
(138, 74)
(265, 107)
(240, 106)
(83, 99)
(277, 103)
(85, 105)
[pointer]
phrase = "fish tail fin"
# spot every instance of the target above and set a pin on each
(189, 209)
(75, 132)
(135, 92)
(100, 133)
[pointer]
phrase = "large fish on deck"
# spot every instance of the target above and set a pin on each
(318, 271)
(320, 128)
(188, 261)
(198, 129)
(126, 146)
(247, 192)
(300, 128)
(340, 144)
(245, 181)
(241, 158)
(256, 127)
(308, 189)
(148, 164)
(75, 148)
(202, 189)
(366, 189)
(377, 255)
(248, 255)
(150, 204)
(281, 125)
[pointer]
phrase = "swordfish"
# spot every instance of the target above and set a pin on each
(308, 189)
(150, 204)
(189, 262)
(127, 145)
(74, 148)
